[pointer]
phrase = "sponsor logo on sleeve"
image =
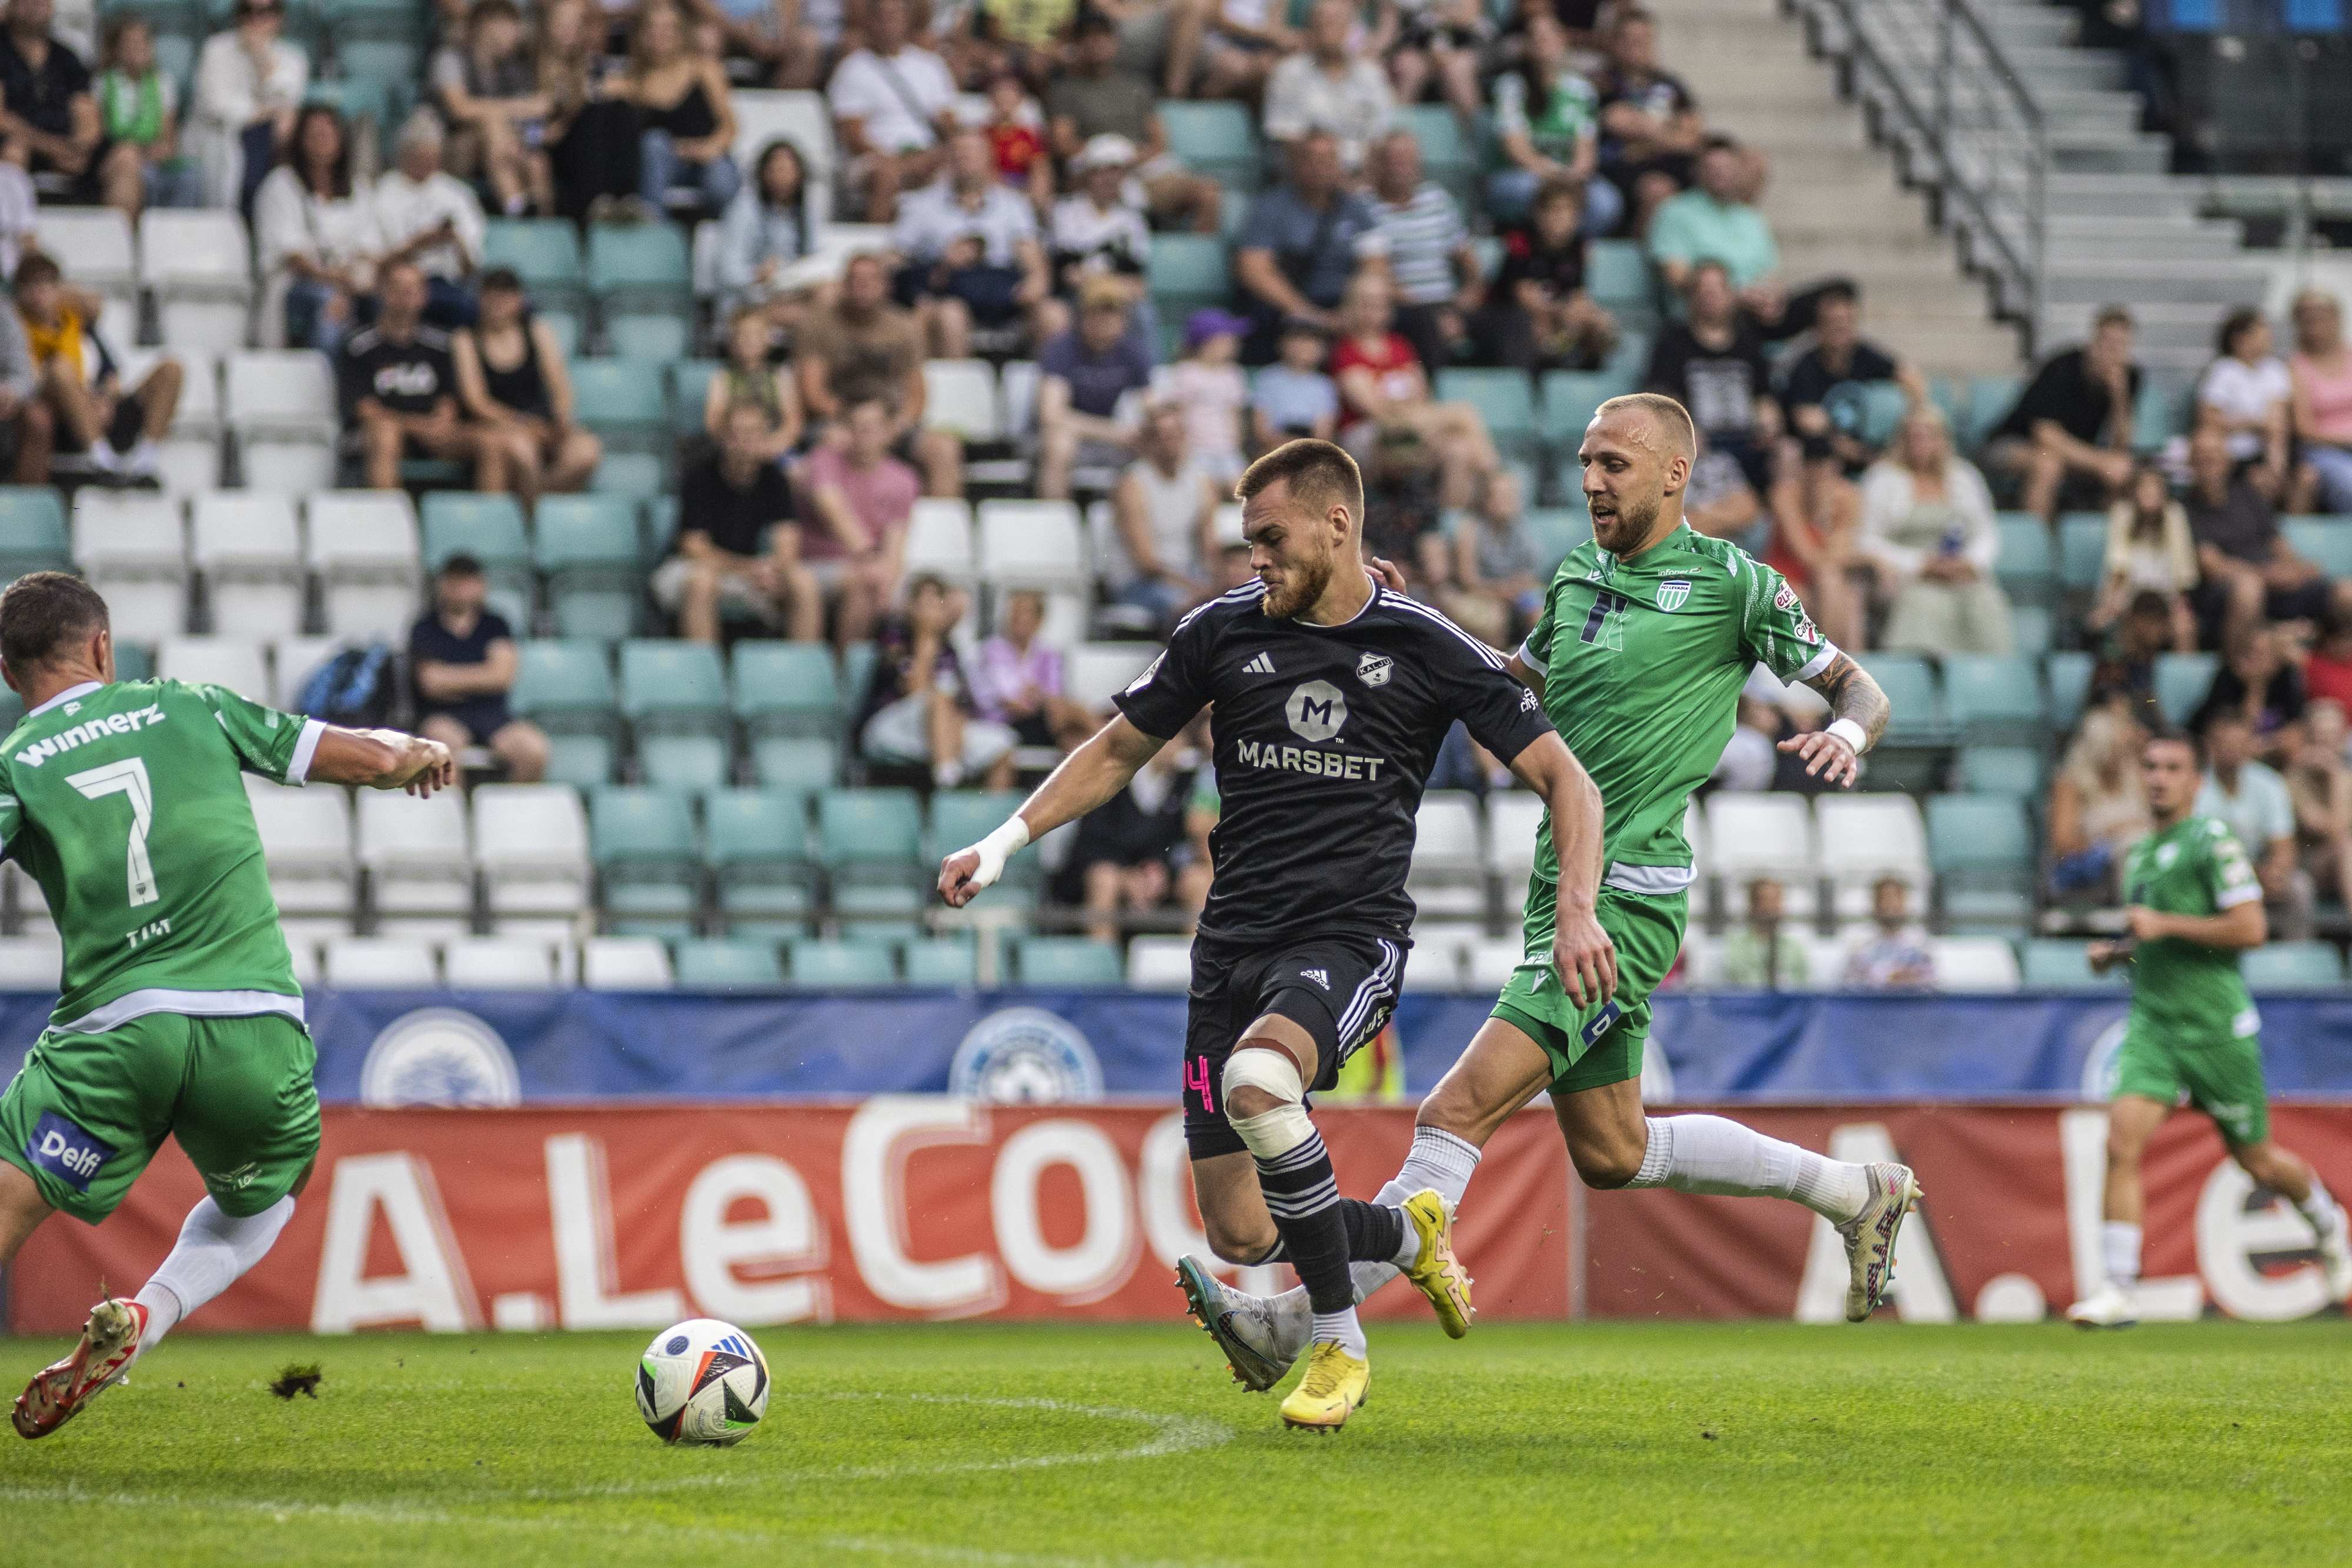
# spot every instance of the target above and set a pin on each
(1785, 599)
(66, 1151)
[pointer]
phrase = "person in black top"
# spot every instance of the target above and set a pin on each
(738, 543)
(2072, 430)
(1539, 316)
(462, 659)
(1712, 363)
(2248, 572)
(1819, 396)
(1651, 128)
(1331, 698)
(49, 119)
(514, 383)
(400, 390)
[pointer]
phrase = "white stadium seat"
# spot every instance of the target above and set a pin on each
(960, 395)
(228, 662)
(133, 548)
(1434, 964)
(1448, 875)
(199, 263)
(306, 843)
(1160, 963)
(1016, 397)
(1864, 838)
(762, 116)
(363, 545)
(30, 963)
(94, 247)
(625, 963)
(282, 405)
(939, 538)
(248, 547)
(1974, 964)
(380, 964)
(304, 953)
(1771, 836)
(1031, 544)
(498, 964)
(1095, 673)
(292, 662)
(533, 842)
(1513, 817)
(189, 456)
(1487, 963)
(418, 852)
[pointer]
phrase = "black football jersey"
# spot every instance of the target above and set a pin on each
(1324, 737)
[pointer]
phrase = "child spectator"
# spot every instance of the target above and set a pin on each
(1540, 316)
(497, 116)
(1292, 397)
(2245, 395)
(139, 106)
(1016, 134)
(2149, 550)
(748, 378)
(919, 711)
(78, 381)
(1209, 386)
(1896, 957)
(1017, 679)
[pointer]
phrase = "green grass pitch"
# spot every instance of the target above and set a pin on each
(1125, 1444)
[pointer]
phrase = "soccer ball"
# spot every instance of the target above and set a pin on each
(702, 1383)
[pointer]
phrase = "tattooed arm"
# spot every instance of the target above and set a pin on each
(1854, 698)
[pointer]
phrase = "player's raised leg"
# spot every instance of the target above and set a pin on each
(2284, 1172)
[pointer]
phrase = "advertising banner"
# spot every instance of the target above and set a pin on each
(913, 1206)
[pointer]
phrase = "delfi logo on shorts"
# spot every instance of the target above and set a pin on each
(66, 1151)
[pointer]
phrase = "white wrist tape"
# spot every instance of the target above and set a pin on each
(997, 847)
(1845, 729)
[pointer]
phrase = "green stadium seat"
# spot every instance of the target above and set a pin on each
(1186, 272)
(32, 531)
(587, 545)
(2026, 570)
(2069, 674)
(755, 842)
(2047, 965)
(690, 383)
(132, 662)
(633, 475)
(804, 763)
(786, 689)
(2082, 550)
(2031, 629)
(870, 841)
(674, 686)
(1989, 699)
(1447, 155)
(1068, 963)
(2294, 966)
(1215, 139)
(658, 337)
(356, 99)
(960, 817)
(392, 61)
(1911, 754)
(684, 761)
(857, 660)
(1505, 400)
(830, 964)
(2324, 541)
(1981, 848)
(486, 527)
(2163, 410)
(640, 266)
(1989, 399)
(2181, 682)
(1617, 274)
(353, 19)
(1570, 398)
(622, 401)
(1557, 531)
(942, 961)
(564, 324)
(1949, 398)
(642, 840)
(566, 688)
(2014, 770)
(730, 965)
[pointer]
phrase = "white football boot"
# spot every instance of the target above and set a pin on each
(2336, 1259)
(2111, 1306)
(1242, 1324)
(1869, 1237)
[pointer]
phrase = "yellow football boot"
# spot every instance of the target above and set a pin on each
(1336, 1383)
(1436, 1272)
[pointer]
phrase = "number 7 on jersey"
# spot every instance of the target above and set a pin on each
(128, 776)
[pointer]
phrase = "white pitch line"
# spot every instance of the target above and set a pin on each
(899, 1551)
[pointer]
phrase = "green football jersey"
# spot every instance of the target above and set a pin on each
(1643, 663)
(2185, 992)
(126, 804)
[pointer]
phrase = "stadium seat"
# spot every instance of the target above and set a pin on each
(1187, 272)
(802, 764)
(1981, 848)
(134, 549)
(1213, 138)
(1616, 275)
(1449, 157)
(2183, 681)
(940, 538)
(870, 842)
(32, 531)
(2002, 770)
(1487, 963)
(1160, 963)
(1435, 963)
(623, 401)
(1095, 673)
(587, 547)
(2032, 630)
(229, 662)
(2069, 674)
(198, 263)
(416, 854)
(488, 527)
(2324, 541)
(2293, 967)
(1505, 399)
(945, 961)
(625, 963)
(545, 254)
(306, 845)
(31, 963)
(730, 965)
(1864, 838)
(652, 338)
(2047, 965)
(1557, 531)
(248, 548)
(756, 845)
(1570, 400)
(785, 688)
(1512, 816)
(674, 695)
(2082, 550)
(281, 407)
(1911, 753)
(832, 964)
(642, 842)
(531, 842)
(380, 964)
(498, 963)
(363, 545)
(961, 817)
(94, 247)
(1966, 964)
(689, 385)
(1448, 874)
(2026, 569)
(803, 118)
(188, 458)
(1990, 398)
(1762, 836)
(960, 397)
(566, 688)
(1990, 699)
(1067, 963)
(636, 266)
(1031, 544)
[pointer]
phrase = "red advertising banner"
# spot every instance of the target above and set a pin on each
(921, 1206)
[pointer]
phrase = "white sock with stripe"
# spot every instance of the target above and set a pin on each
(214, 1249)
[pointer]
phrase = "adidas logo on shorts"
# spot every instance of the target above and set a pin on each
(1320, 977)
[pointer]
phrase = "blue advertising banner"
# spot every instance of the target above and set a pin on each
(520, 1047)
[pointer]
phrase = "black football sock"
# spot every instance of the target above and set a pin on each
(1303, 1195)
(1375, 1230)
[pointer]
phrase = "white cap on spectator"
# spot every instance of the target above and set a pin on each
(1108, 150)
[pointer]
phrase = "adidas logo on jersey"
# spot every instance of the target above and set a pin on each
(40, 751)
(1261, 665)
(1320, 977)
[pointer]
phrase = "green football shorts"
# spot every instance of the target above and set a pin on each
(89, 1110)
(1600, 1043)
(2223, 1078)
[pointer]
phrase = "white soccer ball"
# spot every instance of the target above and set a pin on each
(702, 1383)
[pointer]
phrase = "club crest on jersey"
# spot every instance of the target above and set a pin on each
(1374, 669)
(1674, 593)
(1316, 710)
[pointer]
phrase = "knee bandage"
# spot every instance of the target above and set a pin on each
(1282, 1129)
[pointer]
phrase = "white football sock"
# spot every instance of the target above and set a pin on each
(2119, 1249)
(214, 1249)
(2320, 1210)
(1343, 1327)
(1716, 1155)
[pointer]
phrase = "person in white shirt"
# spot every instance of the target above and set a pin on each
(432, 219)
(1095, 232)
(2246, 394)
(250, 82)
(971, 245)
(314, 235)
(893, 108)
(1927, 529)
(1331, 87)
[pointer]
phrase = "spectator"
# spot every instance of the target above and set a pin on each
(1016, 139)
(1759, 955)
(2253, 799)
(2320, 786)
(513, 381)
(1208, 387)
(1094, 98)
(1163, 515)
(2327, 671)
(241, 115)
(1440, 41)
(138, 107)
(1751, 757)
(489, 95)
(1497, 571)
(893, 108)
(1329, 86)
(1293, 397)
(1896, 956)
(2149, 550)
(747, 377)
(20, 219)
(972, 255)
(315, 235)
(861, 347)
(686, 115)
(738, 547)
(1094, 231)
(48, 120)
(462, 659)
(1823, 398)
(1547, 117)
(1127, 849)
(1927, 527)
(2250, 571)
(1404, 508)
(432, 219)
(2097, 809)
(2247, 393)
(855, 502)
(1248, 39)
(1017, 679)
(1431, 264)
(2261, 686)
(1716, 221)
(1025, 38)
(782, 36)
(2321, 370)
(2072, 429)
(766, 229)
(1382, 387)
(592, 132)
(1300, 246)
(1232, 569)
(1712, 363)
(1538, 315)
(90, 412)
(921, 712)
(1083, 374)
(1650, 131)
(28, 428)
(2125, 673)
(399, 388)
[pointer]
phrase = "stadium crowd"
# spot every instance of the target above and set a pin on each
(1163, 235)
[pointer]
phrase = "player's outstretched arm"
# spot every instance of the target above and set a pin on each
(1087, 777)
(382, 759)
(1858, 714)
(1580, 949)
